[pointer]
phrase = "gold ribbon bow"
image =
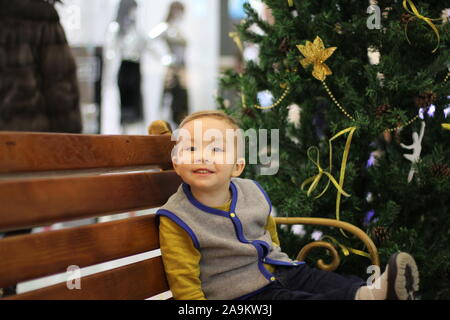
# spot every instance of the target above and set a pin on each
(314, 180)
(445, 126)
(339, 185)
(346, 250)
(429, 21)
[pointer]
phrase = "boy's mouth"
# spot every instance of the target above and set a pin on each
(203, 171)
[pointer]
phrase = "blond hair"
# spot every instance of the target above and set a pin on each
(218, 114)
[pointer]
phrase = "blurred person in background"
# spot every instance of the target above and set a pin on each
(38, 82)
(125, 42)
(175, 95)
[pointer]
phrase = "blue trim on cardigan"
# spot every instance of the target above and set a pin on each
(178, 221)
(238, 228)
(263, 245)
(258, 244)
(201, 206)
(234, 197)
(282, 263)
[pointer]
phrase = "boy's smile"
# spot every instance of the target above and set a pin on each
(203, 171)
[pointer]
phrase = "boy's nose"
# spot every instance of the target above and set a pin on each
(202, 157)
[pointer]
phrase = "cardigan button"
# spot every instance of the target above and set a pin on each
(272, 279)
(232, 215)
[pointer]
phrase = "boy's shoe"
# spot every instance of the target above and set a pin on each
(403, 277)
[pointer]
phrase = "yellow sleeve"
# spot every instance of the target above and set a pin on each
(181, 261)
(271, 226)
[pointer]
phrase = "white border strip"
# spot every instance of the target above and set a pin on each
(43, 282)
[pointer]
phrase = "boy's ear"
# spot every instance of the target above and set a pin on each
(175, 164)
(238, 167)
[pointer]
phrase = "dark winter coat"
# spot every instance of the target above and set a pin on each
(38, 83)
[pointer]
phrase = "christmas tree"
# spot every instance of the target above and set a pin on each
(382, 121)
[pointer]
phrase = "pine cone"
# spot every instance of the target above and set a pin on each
(284, 45)
(382, 109)
(440, 170)
(424, 99)
(405, 18)
(248, 112)
(380, 235)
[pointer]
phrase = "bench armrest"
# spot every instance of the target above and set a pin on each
(331, 223)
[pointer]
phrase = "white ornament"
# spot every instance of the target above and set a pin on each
(416, 146)
(294, 115)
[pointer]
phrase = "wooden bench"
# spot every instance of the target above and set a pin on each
(47, 178)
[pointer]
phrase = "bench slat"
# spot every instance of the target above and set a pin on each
(38, 202)
(30, 151)
(139, 280)
(41, 254)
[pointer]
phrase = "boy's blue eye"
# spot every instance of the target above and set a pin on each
(217, 149)
(191, 148)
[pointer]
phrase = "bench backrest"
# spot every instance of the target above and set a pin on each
(47, 178)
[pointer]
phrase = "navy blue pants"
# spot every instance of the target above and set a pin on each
(305, 283)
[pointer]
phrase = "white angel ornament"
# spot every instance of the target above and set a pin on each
(416, 146)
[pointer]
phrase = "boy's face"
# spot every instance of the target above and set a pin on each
(206, 156)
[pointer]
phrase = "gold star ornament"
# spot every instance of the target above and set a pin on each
(315, 53)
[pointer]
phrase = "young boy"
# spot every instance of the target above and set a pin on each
(219, 240)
